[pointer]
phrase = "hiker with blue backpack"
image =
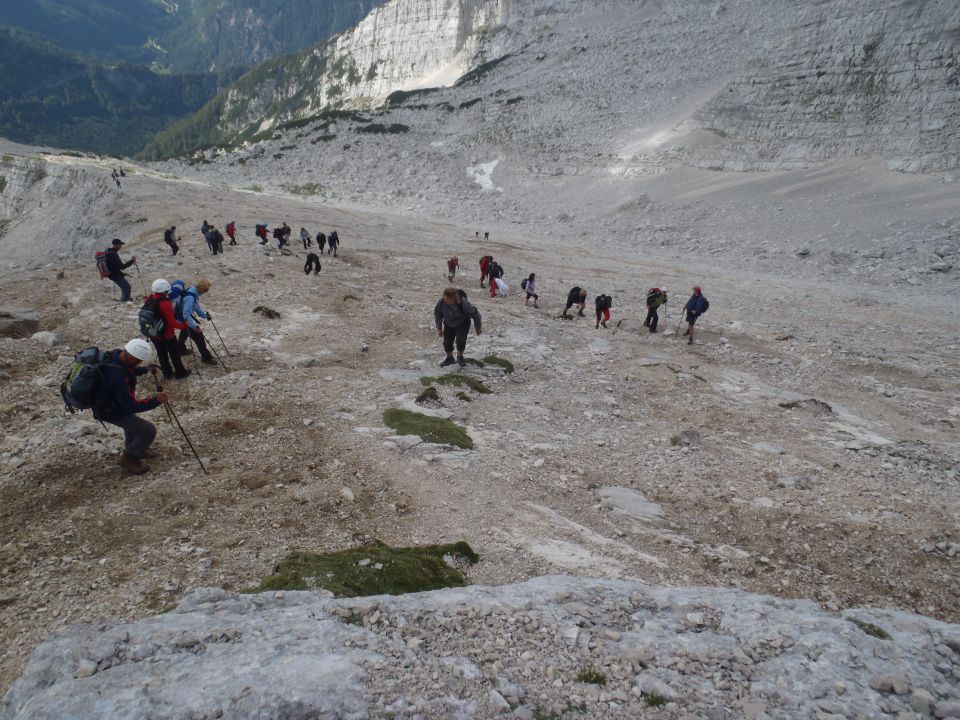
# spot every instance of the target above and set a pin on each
(187, 309)
(159, 323)
(696, 306)
(115, 401)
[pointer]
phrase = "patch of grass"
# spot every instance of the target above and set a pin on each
(373, 570)
(323, 138)
(304, 190)
(458, 379)
(591, 677)
(469, 103)
(429, 429)
(870, 628)
(380, 129)
(254, 188)
(463, 396)
(473, 361)
(501, 362)
(3, 183)
(8, 159)
(430, 395)
(654, 700)
(4, 224)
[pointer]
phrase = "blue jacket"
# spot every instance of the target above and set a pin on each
(190, 304)
(117, 393)
(696, 304)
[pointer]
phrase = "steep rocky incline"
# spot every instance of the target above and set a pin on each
(543, 648)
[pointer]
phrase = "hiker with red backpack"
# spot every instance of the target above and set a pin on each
(656, 297)
(116, 402)
(485, 268)
(495, 272)
(603, 303)
(232, 232)
(452, 315)
(261, 232)
(111, 266)
(158, 322)
(453, 264)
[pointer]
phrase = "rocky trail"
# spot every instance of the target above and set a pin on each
(805, 446)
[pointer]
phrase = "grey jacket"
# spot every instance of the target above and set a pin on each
(454, 316)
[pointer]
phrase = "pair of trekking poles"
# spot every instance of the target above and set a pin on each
(212, 348)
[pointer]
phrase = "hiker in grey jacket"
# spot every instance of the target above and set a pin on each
(452, 315)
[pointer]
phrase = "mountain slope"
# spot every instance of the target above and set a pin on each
(54, 98)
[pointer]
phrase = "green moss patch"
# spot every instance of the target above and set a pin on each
(373, 570)
(463, 396)
(591, 677)
(870, 629)
(500, 362)
(428, 429)
(458, 379)
(428, 396)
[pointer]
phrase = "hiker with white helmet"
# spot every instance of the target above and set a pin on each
(159, 323)
(117, 402)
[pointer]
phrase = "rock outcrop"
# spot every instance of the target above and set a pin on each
(613, 649)
(854, 78)
(18, 322)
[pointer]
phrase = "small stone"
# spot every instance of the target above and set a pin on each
(922, 701)
(947, 709)
(85, 668)
(347, 494)
(364, 562)
(890, 684)
(48, 338)
(307, 422)
(499, 703)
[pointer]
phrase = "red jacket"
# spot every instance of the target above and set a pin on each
(171, 324)
(485, 265)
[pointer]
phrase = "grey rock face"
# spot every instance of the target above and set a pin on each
(18, 322)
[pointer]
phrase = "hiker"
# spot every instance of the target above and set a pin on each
(216, 240)
(116, 268)
(122, 173)
(305, 238)
(321, 241)
(577, 296)
(477, 233)
(453, 264)
(261, 232)
(186, 308)
(333, 242)
(486, 236)
(696, 306)
(285, 234)
(485, 268)
(232, 232)
(452, 315)
(116, 178)
(117, 181)
(117, 402)
(494, 272)
(313, 262)
(655, 298)
(502, 289)
(169, 239)
(529, 285)
(603, 304)
(168, 349)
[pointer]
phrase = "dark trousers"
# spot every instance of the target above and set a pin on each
(197, 339)
(138, 435)
(459, 334)
(653, 317)
(312, 263)
(331, 249)
(121, 282)
(168, 355)
(173, 246)
(307, 242)
(233, 240)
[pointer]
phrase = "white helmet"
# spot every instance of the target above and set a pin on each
(663, 290)
(140, 349)
(160, 286)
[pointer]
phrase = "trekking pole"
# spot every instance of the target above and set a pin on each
(142, 286)
(217, 355)
(172, 416)
(219, 336)
(193, 351)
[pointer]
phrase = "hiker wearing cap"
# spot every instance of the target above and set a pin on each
(168, 350)
(116, 266)
(577, 296)
(655, 298)
(117, 402)
(453, 264)
(187, 309)
(168, 238)
(452, 315)
(696, 306)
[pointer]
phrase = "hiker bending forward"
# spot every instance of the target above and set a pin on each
(117, 402)
(452, 315)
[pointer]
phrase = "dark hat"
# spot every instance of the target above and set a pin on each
(118, 241)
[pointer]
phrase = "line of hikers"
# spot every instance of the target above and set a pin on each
(282, 235)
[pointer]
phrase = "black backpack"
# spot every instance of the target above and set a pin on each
(151, 321)
(523, 284)
(706, 305)
(80, 388)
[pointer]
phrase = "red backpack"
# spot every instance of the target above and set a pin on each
(101, 258)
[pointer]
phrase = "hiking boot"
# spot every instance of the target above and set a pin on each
(186, 351)
(149, 454)
(653, 330)
(690, 341)
(208, 360)
(580, 313)
(448, 361)
(461, 362)
(167, 375)
(132, 465)
(181, 375)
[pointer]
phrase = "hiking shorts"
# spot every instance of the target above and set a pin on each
(692, 317)
(459, 334)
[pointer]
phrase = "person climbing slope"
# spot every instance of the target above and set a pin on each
(452, 315)
(312, 263)
(232, 232)
(116, 267)
(577, 296)
(187, 308)
(696, 306)
(453, 264)
(656, 297)
(160, 310)
(168, 238)
(485, 268)
(529, 285)
(305, 238)
(603, 304)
